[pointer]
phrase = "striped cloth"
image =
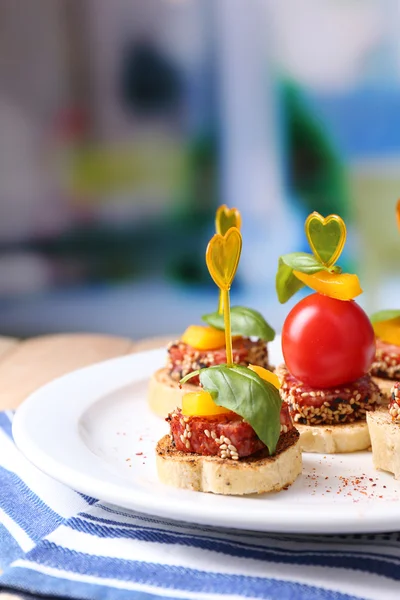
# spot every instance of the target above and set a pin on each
(57, 542)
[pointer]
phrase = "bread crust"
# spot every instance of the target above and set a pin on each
(385, 385)
(334, 439)
(385, 441)
(164, 394)
(255, 474)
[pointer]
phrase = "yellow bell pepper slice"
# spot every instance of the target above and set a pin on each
(388, 331)
(203, 337)
(266, 375)
(201, 404)
(343, 286)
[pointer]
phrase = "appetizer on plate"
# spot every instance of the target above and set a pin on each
(384, 429)
(233, 435)
(328, 345)
(386, 324)
(386, 365)
(204, 345)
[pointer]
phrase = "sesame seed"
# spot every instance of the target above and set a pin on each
(207, 433)
(213, 435)
(223, 446)
(187, 444)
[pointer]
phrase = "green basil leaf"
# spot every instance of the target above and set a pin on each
(287, 284)
(239, 389)
(301, 261)
(384, 315)
(244, 321)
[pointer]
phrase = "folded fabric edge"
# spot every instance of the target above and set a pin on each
(42, 580)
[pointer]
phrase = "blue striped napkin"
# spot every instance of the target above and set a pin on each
(57, 542)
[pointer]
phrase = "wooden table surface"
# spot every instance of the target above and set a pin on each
(27, 365)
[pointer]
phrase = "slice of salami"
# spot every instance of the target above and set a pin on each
(227, 436)
(340, 404)
(387, 361)
(183, 359)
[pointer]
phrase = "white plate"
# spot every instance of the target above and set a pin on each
(92, 431)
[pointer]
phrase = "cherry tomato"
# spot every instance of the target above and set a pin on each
(327, 342)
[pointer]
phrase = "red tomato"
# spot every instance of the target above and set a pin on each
(327, 342)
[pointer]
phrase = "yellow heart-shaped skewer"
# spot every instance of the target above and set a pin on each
(225, 218)
(222, 257)
(398, 214)
(326, 236)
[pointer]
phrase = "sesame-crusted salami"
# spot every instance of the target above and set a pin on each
(340, 404)
(227, 436)
(394, 403)
(387, 361)
(183, 359)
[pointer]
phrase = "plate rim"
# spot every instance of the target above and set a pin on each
(368, 517)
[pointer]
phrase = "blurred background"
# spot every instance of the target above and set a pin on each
(124, 124)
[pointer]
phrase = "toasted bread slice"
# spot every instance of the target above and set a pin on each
(334, 439)
(255, 474)
(164, 394)
(385, 441)
(385, 385)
